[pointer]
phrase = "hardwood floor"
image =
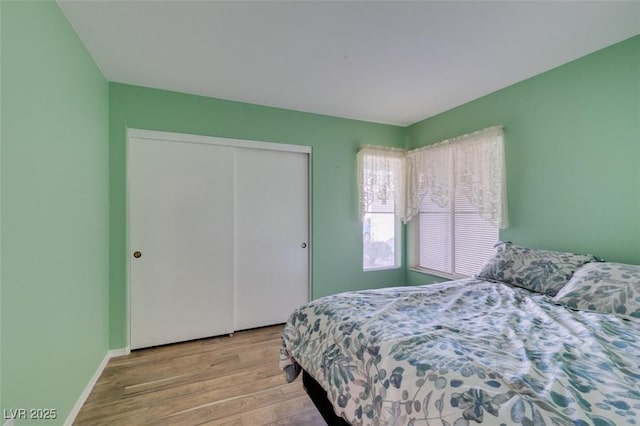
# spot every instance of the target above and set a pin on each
(218, 381)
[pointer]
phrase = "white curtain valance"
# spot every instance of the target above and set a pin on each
(473, 164)
(381, 177)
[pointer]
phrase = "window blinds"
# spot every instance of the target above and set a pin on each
(456, 188)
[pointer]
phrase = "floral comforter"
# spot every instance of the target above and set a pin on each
(466, 352)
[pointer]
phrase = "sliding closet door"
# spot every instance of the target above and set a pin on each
(181, 241)
(272, 232)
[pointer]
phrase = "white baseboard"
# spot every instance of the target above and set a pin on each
(119, 352)
(87, 390)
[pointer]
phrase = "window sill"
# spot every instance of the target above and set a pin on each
(381, 268)
(439, 274)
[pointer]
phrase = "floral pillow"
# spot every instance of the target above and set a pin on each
(610, 288)
(543, 271)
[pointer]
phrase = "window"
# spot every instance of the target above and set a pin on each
(381, 182)
(380, 246)
(456, 191)
(458, 198)
(454, 239)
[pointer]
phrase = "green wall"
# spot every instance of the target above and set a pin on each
(54, 203)
(572, 145)
(336, 229)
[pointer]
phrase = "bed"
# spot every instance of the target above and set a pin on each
(515, 345)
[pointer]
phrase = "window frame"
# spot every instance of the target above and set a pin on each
(397, 242)
(481, 177)
(414, 236)
(413, 254)
(452, 239)
(381, 176)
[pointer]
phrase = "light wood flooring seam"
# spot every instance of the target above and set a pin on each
(227, 380)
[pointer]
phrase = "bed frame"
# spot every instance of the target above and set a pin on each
(320, 400)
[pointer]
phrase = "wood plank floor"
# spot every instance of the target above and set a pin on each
(218, 381)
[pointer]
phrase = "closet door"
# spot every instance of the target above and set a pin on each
(181, 226)
(272, 236)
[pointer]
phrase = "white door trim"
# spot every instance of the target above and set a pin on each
(214, 140)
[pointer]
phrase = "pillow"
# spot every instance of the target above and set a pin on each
(543, 271)
(610, 288)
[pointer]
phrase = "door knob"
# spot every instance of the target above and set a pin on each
(303, 245)
(137, 254)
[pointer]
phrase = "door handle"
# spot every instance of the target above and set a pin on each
(137, 254)
(303, 245)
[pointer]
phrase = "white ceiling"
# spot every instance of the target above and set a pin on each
(383, 61)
